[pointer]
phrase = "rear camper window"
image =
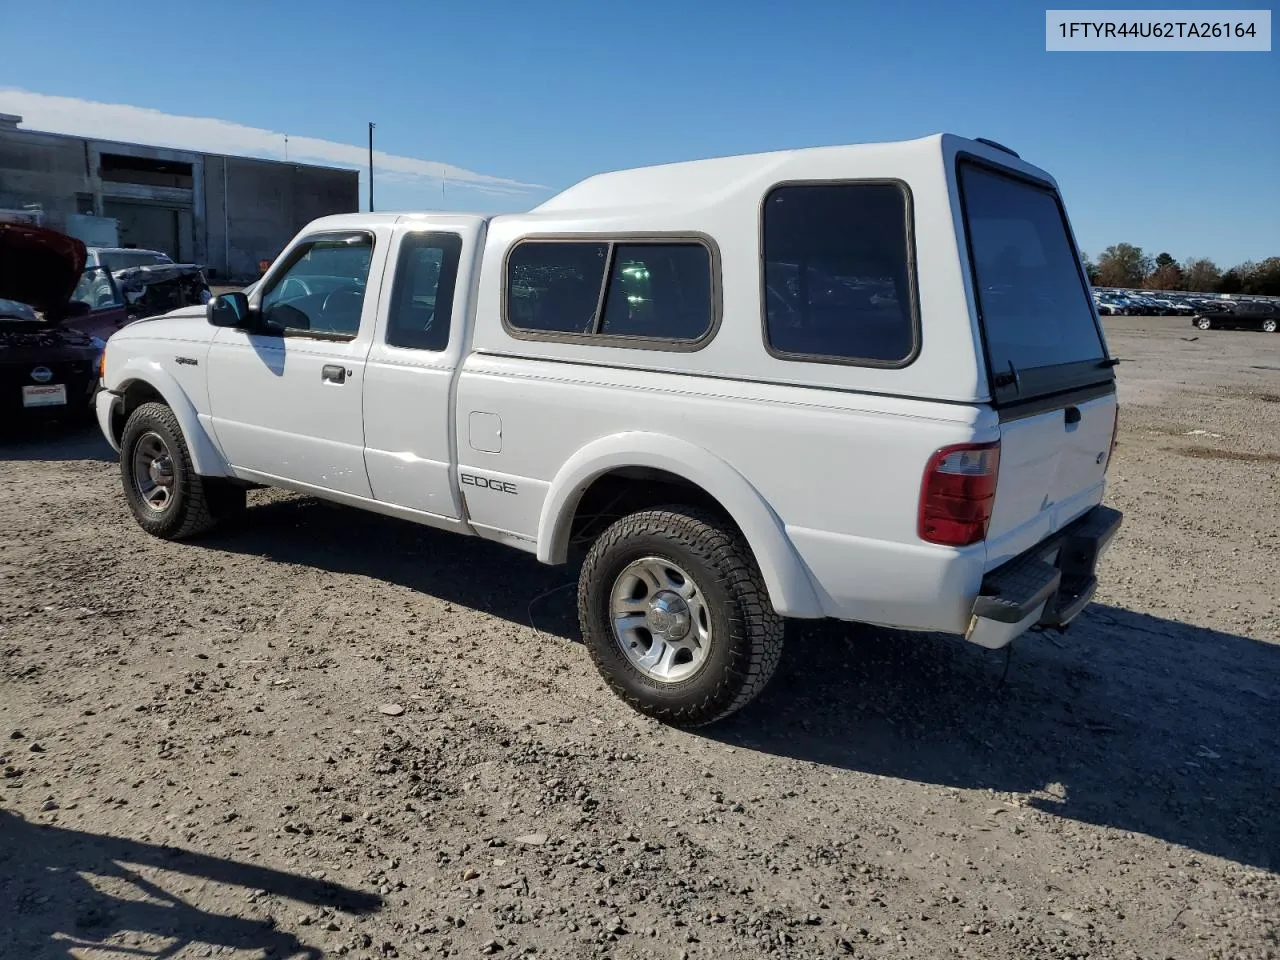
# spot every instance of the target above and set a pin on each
(839, 279)
(1036, 318)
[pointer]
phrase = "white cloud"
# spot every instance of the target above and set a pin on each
(119, 121)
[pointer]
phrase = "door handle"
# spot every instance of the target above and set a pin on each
(333, 373)
(1072, 415)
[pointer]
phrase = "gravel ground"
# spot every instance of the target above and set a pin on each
(328, 733)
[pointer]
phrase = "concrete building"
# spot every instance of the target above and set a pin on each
(226, 213)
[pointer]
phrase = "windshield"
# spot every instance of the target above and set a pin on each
(115, 260)
(1035, 308)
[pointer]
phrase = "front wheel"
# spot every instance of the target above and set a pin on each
(1268, 326)
(1204, 323)
(676, 615)
(167, 497)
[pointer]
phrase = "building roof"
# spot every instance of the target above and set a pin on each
(11, 124)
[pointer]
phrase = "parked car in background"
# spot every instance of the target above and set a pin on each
(1146, 306)
(149, 281)
(1256, 315)
(51, 340)
(1174, 308)
(1110, 304)
(120, 258)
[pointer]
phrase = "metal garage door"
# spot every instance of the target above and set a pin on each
(146, 225)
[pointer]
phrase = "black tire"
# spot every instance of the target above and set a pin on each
(1269, 326)
(746, 633)
(194, 504)
(1204, 323)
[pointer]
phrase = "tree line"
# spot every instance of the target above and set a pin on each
(1124, 265)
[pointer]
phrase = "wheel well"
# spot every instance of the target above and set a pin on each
(626, 490)
(135, 395)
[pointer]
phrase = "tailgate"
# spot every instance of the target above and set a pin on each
(1052, 382)
(1052, 468)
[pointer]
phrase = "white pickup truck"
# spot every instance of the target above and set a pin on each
(864, 382)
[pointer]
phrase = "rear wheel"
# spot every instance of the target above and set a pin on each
(1269, 325)
(167, 497)
(1204, 323)
(676, 615)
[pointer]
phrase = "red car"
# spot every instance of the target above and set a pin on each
(50, 341)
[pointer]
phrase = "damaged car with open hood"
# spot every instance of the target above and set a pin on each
(54, 323)
(149, 281)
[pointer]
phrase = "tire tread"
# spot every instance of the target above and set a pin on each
(721, 548)
(199, 498)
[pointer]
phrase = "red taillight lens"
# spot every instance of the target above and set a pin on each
(958, 493)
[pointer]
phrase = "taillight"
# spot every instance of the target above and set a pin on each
(102, 363)
(958, 493)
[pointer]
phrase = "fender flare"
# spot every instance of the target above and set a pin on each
(785, 575)
(205, 457)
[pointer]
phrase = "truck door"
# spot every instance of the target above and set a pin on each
(286, 398)
(408, 390)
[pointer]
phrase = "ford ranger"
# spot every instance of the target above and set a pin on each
(862, 382)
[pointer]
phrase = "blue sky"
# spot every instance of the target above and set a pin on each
(1170, 151)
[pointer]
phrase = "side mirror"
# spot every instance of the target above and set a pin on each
(228, 310)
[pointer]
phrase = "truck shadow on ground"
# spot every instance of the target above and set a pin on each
(55, 442)
(1130, 721)
(67, 891)
(465, 571)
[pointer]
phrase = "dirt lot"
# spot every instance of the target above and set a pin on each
(195, 764)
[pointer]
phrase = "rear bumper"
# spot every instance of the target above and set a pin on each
(1047, 586)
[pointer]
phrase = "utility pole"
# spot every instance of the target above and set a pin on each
(371, 126)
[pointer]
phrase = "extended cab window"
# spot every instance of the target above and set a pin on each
(322, 289)
(1033, 304)
(611, 291)
(554, 287)
(422, 296)
(839, 283)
